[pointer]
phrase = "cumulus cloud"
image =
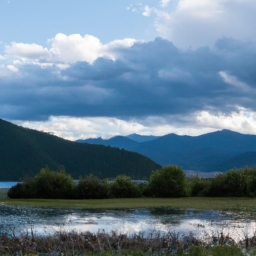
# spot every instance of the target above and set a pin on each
(147, 84)
(164, 3)
(202, 22)
(28, 51)
(66, 49)
(74, 128)
(147, 11)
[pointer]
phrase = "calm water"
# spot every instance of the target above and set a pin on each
(7, 184)
(201, 223)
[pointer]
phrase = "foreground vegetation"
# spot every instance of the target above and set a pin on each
(72, 243)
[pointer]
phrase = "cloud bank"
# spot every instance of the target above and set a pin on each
(134, 82)
(202, 22)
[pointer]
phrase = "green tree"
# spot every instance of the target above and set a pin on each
(91, 187)
(123, 187)
(198, 186)
(170, 181)
(51, 184)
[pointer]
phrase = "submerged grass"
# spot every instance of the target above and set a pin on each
(201, 203)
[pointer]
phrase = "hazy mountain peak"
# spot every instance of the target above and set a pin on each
(141, 138)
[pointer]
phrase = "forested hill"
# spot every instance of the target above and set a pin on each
(24, 151)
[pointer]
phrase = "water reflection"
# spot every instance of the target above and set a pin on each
(49, 220)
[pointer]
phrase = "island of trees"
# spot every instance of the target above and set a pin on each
(169, 181)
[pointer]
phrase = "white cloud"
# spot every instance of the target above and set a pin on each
(29, 51)
(73, 48)
(202, 122)
(202, 22)
(164, 3)
(12, 68)
(147, 11)
(73, 128)
(243, 121)
(232, 80)
(66, 49)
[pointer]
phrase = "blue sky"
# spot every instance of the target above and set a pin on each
(96, 68)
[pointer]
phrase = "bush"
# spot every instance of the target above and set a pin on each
(47, 184)
(50, 184)
(123, 187)
(233, 183)
(198, 186)
(91, 187)
(170, 181)
(21, 190)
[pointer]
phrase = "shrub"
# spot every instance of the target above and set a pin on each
(123, 187)
(21, 190)
(50, 184)
(46, 184)
(170, 181)
(198, 186)
(91, 187)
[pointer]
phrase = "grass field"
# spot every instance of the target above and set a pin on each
(3, 193)
(202, 203)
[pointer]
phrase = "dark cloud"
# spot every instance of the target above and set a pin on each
(153, 78)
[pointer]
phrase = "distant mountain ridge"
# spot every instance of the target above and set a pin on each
(217, 151)
(141, 138)
(23, 152)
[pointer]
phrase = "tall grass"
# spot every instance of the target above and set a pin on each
(155, 243)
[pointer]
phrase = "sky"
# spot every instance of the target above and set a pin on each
(82, 69)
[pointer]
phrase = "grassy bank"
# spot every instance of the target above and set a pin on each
(202, 203)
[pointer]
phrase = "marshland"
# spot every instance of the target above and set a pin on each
(144, 225)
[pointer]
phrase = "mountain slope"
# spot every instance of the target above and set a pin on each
(245, 159)
(141, 138)
(117, 141)
(209, 152)
(24, 151)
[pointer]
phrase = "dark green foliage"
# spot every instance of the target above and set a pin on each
(231, 183)
(21, 190)
(170, 181)
(25, 151)
(91, 187)
(46, 184)
(198, 186)
(123, 187)
(50, 184)
(234, 183)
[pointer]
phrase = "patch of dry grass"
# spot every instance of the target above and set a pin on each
(72, 243)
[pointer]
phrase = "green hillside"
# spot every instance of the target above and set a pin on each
(24, 151)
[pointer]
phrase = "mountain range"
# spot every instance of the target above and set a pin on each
(23, 152)
(212, 152)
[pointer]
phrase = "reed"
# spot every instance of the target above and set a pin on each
(155, 243)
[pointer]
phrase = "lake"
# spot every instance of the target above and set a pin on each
(201, 223)
(7, 184)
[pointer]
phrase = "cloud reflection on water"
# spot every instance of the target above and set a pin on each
(201, 223)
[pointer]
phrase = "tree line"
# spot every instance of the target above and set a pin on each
(169, 181)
